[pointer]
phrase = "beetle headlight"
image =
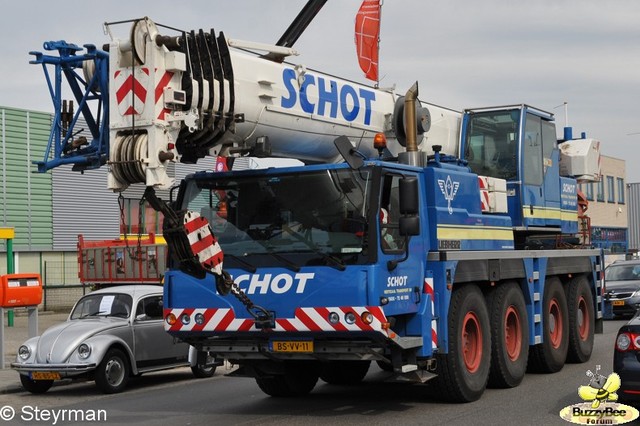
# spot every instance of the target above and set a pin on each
(84, 351)
(24, 352)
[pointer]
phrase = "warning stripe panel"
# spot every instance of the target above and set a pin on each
(305, 320)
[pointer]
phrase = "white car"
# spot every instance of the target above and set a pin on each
(111, 335)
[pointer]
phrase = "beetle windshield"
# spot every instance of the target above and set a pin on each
(104, 304)
(319, 215)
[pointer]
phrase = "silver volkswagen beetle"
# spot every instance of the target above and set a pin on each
(110, 336)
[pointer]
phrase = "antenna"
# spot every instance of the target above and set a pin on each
(565, 104)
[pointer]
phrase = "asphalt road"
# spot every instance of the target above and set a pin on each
(174, 398)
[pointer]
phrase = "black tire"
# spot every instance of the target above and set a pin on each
(344, 372)
(509, 335)
(550, 355)
(463, 372)
(35, 386)
(202, 371)
(581, 320)
(112, 374)
(298, 380)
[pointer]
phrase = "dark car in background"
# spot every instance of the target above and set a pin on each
(622, 286)
(626, 360)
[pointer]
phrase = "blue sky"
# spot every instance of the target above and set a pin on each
(464, 53)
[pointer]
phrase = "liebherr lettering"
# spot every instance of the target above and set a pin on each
(278, 284)
(333, 98)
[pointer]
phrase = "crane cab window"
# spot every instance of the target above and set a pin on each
(491, 143)
(532, 149)
(539, 143)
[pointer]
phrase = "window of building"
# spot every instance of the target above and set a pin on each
(600, 191)
(621, 190)
(589, 191)
(611, 190)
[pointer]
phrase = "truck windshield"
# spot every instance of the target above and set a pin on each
(490, 143)
(305, 218)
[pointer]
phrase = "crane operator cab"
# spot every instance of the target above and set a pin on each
(518, 143)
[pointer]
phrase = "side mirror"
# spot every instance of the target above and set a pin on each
(409, 222)
(348, 152)
(408, 192)
(409, 225)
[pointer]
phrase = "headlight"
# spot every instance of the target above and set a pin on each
(350, 318)
(24, 352)
(84, 351)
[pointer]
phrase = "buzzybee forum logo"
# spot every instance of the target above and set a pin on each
(600, 406)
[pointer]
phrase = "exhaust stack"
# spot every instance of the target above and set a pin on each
(412, 156)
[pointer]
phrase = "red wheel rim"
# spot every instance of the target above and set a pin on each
(471, 342)
(512, 333)
(555, 324)
(583, 319)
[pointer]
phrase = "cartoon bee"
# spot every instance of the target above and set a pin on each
(600, 388)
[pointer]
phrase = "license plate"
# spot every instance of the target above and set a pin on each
(618, 303)
(304, 346)
(45, 375)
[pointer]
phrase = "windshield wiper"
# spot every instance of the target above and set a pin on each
(338, 263)
(288, 264)
(91, 314)
(247, 266)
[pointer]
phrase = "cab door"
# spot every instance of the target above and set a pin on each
(402, 284)
(540, 173)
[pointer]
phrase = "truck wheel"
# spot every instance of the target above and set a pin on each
(581, 320)
(298, 379)
(203, 371)
(344, 372)
(509, 336)
(463, 371)
(550, 355)
(35, 386)
(112, 373)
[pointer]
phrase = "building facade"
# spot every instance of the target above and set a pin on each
(608, 206)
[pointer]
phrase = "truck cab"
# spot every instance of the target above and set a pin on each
(519, 144)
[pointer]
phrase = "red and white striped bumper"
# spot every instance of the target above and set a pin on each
(223, 320)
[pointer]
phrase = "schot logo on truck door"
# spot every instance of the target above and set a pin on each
(449, 189)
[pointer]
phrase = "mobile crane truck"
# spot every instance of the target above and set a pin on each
(446, 254)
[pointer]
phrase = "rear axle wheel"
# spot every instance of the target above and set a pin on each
(509, 336)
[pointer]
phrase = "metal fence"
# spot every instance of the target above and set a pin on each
(61, 285)
(60, 272)
(61, 298)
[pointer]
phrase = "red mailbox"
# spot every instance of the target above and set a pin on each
(18, 290)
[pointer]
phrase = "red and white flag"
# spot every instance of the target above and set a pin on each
(367, 36)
